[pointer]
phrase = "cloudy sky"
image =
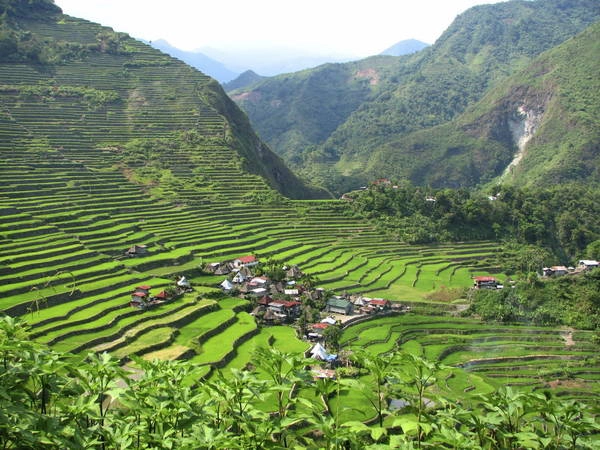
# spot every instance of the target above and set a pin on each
(337, 27)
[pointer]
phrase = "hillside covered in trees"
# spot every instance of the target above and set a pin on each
(345, 124)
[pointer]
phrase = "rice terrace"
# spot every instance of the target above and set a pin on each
(142, 216)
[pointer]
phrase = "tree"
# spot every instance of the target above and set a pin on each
(286, 372)
(416, 376)
(97, 379)
(592, 251)
(379, 368)
(332, 335)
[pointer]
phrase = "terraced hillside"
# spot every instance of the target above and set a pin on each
(87, 91)
(116, 145)
(478, 357)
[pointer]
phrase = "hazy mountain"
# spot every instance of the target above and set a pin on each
(271, 61)
(405, 47)
(245, 79)
(196, 59)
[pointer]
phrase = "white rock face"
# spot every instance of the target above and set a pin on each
(523, 126)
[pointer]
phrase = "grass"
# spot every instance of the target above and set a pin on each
(215, 348)
(482, 356)
(152, 337)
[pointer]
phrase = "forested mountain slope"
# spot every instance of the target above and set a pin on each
(538, 126)
(65, 80)
(296, 112)
(108, 145)
(482, 47)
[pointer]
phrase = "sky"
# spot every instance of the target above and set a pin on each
(336, 27)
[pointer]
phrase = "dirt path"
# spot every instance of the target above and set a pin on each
(567, 336)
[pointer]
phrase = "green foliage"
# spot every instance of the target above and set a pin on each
(559, 218)
(53, 400)
(38, 9)
(567, 300)
(312, 110)
(94, 98)
(592, 251)
(332, 335)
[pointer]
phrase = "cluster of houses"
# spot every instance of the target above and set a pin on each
(143, 299)
(241, 278)
(582, 266)
(281, 301)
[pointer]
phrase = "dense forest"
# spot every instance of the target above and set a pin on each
(537, 228)
(561, 219)
(567, 300)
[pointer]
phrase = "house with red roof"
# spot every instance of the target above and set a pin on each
(485, 282)
(315, 331)
(143, 288)
(380, 304)
(245, 261)
(162, 295)
(286, 308)
(265, 300)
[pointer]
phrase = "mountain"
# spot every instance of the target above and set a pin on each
(405, 47)
(482, 47)
(245, 79)
(272, 60)
(200, 61)
(81, 91)
(539, 125)
(296, 112)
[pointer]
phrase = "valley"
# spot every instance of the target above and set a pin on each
(124, 172)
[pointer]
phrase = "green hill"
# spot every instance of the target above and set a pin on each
(538, 125)
(296, 112)
(245, 79)
(334, 143)
(113, 91)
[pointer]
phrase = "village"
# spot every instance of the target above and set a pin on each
(281, 294)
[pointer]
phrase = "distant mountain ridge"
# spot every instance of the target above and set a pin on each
(338, 147)
(245, 79)
(405, 47)
(198, 60)
(273, 60)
